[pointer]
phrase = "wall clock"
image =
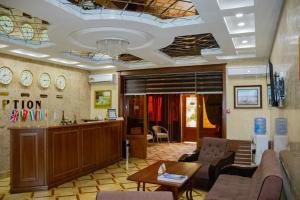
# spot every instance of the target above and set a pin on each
(44, 36)
(27, 31)
(60, 82)
(6, 24)
(44, 80)
(6, 75)
(26, 78)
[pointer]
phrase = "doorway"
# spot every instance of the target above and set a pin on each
(189, 119)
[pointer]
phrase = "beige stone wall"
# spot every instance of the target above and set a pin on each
(285, 57)
(240, 122)
(76, 97)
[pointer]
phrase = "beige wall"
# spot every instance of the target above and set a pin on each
(240, 122)
(76, 97)
(285, 57)
(113, 86)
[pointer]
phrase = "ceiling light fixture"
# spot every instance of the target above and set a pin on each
(112, 47)
(64, 61)
(29, 53)
(239, 15)
(245, 41)
(3, 46)
(97, 67)
(241, 24)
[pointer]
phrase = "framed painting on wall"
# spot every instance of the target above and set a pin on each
(102, 99)
(249, 96)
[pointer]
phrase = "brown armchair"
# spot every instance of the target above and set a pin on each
(213, 156)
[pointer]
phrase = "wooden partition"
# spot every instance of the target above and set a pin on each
(42, 158)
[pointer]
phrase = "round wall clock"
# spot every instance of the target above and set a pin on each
(6, 75)
(44, 80)
(44, 36)
(27, 31)
(6, 24)
(60, 82)
(26, 78)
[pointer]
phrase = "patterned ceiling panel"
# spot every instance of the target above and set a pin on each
(190, 45)
(129, 57)
(164, 9)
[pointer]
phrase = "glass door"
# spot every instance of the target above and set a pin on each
(189, 117)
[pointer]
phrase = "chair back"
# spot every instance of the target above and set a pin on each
(156, 129)
(267, 181)
(212, 148)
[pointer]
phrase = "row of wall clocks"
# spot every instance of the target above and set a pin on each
(26, 78)
(7, 25)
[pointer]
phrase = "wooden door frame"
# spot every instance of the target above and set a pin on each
(182, 69)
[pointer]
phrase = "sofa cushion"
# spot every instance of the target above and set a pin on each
(212, 148)
(134, 196)
(229, 187)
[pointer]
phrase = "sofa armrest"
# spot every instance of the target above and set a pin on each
(189, 157)
(239, 170)
(217, 164)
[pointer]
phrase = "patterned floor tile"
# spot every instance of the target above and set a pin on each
(102, 176)
(88, 196)
(110, 187)
(112, 178)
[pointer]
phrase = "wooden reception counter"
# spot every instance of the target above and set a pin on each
(42, 158)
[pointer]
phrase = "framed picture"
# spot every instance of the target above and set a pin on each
(102, 99)
(112, 113)
(249, 96)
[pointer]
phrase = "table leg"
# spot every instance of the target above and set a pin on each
(138, 186)
(144, 186)
(175, 193)
(190, 190)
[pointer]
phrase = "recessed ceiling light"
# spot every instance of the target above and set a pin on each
(64, 61)
(239, 15)
(3, 46)
(29, 53)
(97, 67)
(241, 24)
(245, 41)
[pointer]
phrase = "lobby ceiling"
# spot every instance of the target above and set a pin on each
(160, 33)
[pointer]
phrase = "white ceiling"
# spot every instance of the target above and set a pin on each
(70, 29)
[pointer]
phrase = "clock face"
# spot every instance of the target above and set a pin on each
(27, 31)
(60, 82)
(6, 75)
(26, 78)
(44, 36)
(44, 80)
(6, 24)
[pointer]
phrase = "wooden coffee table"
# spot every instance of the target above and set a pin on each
(149, 175)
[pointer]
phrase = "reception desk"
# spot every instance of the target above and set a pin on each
(42, 158)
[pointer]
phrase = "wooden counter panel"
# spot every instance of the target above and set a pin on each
(64, 153)
(46, 157)
(28, 165)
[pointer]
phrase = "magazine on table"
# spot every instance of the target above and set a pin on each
(174, 178)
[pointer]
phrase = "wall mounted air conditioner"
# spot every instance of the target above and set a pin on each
(97, 78)
(260, 70)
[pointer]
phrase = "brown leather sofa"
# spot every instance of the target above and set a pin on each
(245, 183)
(213, 156)
(134, 196)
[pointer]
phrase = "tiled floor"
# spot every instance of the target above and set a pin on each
(168, 151)
(111, 178)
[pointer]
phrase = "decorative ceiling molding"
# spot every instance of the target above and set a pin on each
(190, 45)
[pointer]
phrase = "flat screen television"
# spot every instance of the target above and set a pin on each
(272, 84)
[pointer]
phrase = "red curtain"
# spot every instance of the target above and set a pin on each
(155, 107)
